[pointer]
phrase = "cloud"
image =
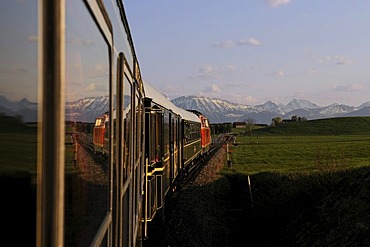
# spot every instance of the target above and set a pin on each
(213, 88)
(349, 88)
(250, 42)
(225, 44)
(80, 42)
(277, 3)
(32, 39)
(17, 70)
(98, 70)
(243, 42)
(241, 99)
(336, 59)
(248, 99)
(238, 84)
(340, 60)
(90, 87)
(207, 72)
(279, 74)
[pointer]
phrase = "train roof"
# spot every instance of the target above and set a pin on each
(188, 115)
(151, 92)
(198, 113)
(159, 98)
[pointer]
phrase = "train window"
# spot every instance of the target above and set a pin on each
(127, 125)
(158, 136)
(166, 135)
(18, 121)
(138, 106)
(174, 143)
(87, 97)
(152, 132)
(98, 122)
(154, 148)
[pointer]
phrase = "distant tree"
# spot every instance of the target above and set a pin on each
(250, 122)
(295, 118)
(276, 121)
(220, 128)
(227, 127)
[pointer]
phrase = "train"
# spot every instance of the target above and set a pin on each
(90, 149)
(174, 139)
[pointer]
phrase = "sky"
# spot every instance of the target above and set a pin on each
(253, 51)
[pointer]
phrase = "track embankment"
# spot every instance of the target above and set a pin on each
(194, 215)
(323, 209)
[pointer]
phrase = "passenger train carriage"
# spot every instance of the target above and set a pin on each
(172, 141)
(88, 150)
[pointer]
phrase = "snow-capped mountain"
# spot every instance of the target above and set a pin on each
(87, 109)
(24, 108)
(217, 110)
(231, 112)
(298, 104)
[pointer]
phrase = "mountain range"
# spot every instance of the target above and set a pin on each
(217, 110)
(221, 111)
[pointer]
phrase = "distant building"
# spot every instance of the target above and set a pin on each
(261, 125)
(294, 118)
(239, 125)
(288, 121)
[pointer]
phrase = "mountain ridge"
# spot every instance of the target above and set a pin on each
(217, 110)
(265, 112)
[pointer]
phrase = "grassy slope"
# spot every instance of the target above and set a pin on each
(310, 184)
(330, 126)
(18, 142)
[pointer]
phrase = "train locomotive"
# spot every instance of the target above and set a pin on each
(90, 150)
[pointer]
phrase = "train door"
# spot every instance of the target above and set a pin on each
(165, 175)
(182, 143)
(171, 161)
(154, 158)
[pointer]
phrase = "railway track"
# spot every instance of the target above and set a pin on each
(194, 169)
(173, 223)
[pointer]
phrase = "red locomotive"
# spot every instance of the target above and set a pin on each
(205, 132)
(100, 134)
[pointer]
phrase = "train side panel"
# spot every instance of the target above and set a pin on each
(86, 63)
(191, 142)
(100, 185)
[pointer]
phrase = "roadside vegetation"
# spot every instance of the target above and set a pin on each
(309, 184)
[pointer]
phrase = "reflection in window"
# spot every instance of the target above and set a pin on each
(156, 136)
(18, 121)
(87, 97)
(127, 125)
(166, 136)
(138, 126)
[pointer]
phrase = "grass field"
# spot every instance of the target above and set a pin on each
(18, 146)
(300, 153)
(328, 144)
(309, 184)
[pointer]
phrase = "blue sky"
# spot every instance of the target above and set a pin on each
(252, 51)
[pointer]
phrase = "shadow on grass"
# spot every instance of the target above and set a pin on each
(323, 209)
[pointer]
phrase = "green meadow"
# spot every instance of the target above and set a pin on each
(18, 146)
(303, 147)
(302, 184)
